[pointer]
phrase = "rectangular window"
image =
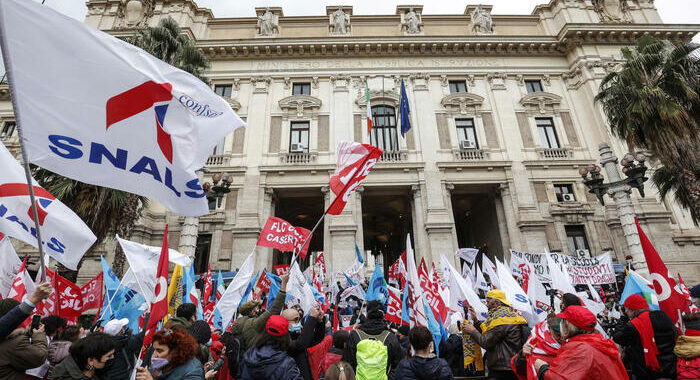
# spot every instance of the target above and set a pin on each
(533, 86)
(219, 147)
(548, 136)
(466, 131)
(299, 135)
(8, 129)
(383, 134)
(576, 238)
(457, 86)
(223, 90)
(560, 190)
(301, 89)
(201, 253)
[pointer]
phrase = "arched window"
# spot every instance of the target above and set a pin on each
(383, 134)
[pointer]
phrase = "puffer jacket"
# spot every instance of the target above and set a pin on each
(501, 344)
(420, 368)
(628, 337)
(267, 362)
(19, 353)
(58, 350)
(688, 351)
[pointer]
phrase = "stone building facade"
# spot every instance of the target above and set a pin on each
(502, 116)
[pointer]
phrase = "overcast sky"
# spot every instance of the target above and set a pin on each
(672, 11)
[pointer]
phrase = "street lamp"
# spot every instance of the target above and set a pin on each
(222, 184)
(619, 190)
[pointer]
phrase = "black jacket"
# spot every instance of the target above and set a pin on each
(405, 347)
(420, 368)
(267, 362)
(127, 347)
(311, 334)
(626, 335)
(451, 351)
(374, 327)
(13, 318)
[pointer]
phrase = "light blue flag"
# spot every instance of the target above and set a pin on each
(249, 289)
(111, 282)
(405, 307)
(130, 308)
(377, 289)
(433, 326)
(635, 285)
(350, 281)
(359, 254)
(275, 285)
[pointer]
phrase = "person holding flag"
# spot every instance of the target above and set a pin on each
(647, 340)
(502, 334)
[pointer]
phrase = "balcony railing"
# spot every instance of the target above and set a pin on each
(217, 160)
(554, 153)
(298, 158)
(395, 156)
(471, 154)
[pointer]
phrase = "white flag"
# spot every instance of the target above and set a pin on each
(100, 110)
(9, 265)
(490, 270)
(467, 254)
(461, 291)
(143, 265)
(514, 293)
(64, 236)
(230, 300)
(560, 280)
(535, 292)
(480, 282)
(355, 290)
(417, 306)
(300, 289)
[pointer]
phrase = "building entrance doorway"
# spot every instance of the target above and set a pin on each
(476, 221)
(302, 207)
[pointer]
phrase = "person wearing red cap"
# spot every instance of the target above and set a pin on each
(585, 354)
(269, 358)
(647, 340)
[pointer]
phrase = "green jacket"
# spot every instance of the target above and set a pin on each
(252, 328)
(178, 323)
(19, 353)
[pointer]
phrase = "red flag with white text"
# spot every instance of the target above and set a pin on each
(393, 307)
(281, 270)
(208, 287)
(355, 160)
(282, 235)
(159, 305)
(92, 293)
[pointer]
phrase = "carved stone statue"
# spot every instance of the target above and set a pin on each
(612, 10)
(267, 23)
(341, 22)
(412, 22)
(134, 13)
(481, 21)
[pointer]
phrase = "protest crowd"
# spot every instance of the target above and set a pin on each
(477, 314)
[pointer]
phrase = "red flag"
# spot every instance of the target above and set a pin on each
(354, 163)
(19, 289)
(159, 305)
(686, 294)
(671, 299)
(70, 299)
(393, 308)
(209, 314)
(321, 264)
(281, 270)
(92, 293)
(335, 319)
(208, 286)
(281, 235)
(262, 285)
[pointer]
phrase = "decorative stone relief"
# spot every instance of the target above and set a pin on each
(339, 21)
(411, 21)
(497, 80)
(268, 21)
(463, 102)
(287, 83)
(613, 11)
(419, 80)
(340, 82)
(299, 104)
(95, 9)
(481, 20)
(235, 104)
(470, 79)
(260, 84)
(444, 81)
(520, 79)
(314, 82)
(377, 97)
(541, 101)
(573, 78)
(546, 80)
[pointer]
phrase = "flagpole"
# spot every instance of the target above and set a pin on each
(294, 256)
(117, 291)
(23, 150)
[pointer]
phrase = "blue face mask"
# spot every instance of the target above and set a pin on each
(295, 327)
(158, 363)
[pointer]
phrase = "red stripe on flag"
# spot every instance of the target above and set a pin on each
(136, 100)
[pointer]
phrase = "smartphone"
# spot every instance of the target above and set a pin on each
(36, 320)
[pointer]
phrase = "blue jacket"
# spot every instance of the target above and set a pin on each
(419, 368)
(192, 370)
(267, 362)
(13, 318)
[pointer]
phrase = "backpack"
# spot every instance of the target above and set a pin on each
(234, 353)
(372, 356)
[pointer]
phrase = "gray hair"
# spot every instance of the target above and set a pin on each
(568, 330)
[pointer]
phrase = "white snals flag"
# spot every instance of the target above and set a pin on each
(9, 265)
(100, 110)
(230, 300)
(64, 235)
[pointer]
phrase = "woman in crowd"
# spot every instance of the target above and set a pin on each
(59, 348)
(585, 354)
(424, 365)
(339, 370)
(688, 348)
(88, 359)
(174, 357)
(269, 358)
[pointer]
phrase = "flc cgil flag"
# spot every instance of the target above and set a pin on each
(102, 111)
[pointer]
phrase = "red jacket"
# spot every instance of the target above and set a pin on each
(332, 356)
(587, 356)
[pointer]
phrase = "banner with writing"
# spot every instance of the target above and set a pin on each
(596, 270)
(281, 235)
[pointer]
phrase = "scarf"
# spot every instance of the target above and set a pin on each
(545, 348)
(502, 315)
(471, 351)
(643, 325)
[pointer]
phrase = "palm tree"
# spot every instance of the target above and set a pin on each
(653, 102)
(107, 211)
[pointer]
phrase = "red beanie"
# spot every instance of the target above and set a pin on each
(636, 302)
(277, 325)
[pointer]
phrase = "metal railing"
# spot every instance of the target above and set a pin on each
(471, 154)
(395, 156)
(298, 158)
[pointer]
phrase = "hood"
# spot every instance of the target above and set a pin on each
(58, 350)
(687, 347)
(373, 326)
(179, 322)
(67, 369)
(425, 368)
(605, 346)
(260, 360)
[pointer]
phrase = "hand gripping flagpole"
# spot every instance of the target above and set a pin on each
(25, 162)
(294, 256)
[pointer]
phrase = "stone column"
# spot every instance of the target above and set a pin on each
(448, 201)
(190, 229)
(359, 235)
(620, 192)
(502, 221)
(509, 215)
(419, 237)
(264, 257)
